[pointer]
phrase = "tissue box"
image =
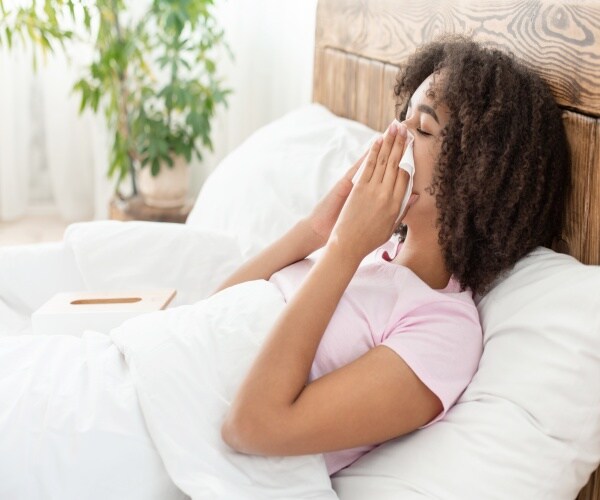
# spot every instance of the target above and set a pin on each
(71, 313)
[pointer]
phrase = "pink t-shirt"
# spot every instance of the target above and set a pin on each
(436, 332)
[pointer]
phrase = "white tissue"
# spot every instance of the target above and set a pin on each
(407, 163)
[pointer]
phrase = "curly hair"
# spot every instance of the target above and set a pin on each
(502, 177)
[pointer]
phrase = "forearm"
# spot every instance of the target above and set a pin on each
(296, 244)
(284, 363)
(274, 401)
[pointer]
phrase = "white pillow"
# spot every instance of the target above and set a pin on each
(115, 255)
(278, 175)
(528, 425)
(30, 274)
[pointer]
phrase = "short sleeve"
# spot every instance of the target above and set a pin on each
(442, 343)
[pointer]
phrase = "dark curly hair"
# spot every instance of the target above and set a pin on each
(502, 177)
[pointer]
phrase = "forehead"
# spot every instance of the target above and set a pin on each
(426, 92)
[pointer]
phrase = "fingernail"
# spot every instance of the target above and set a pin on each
(379, 140)
(393, 128)
(402, 130)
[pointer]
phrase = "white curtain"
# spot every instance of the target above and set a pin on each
(15, 137)
(50, 153)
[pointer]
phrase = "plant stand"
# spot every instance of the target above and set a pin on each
(135, 209)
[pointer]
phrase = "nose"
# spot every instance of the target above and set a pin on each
(409, 123)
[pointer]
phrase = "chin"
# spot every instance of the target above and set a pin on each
(407, 220)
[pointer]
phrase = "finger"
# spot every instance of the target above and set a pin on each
(400, 185)
(384, 153)
(396, 153)
(371, 161)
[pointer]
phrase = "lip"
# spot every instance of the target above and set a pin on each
(412, 200)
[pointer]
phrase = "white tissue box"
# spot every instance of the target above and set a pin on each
(71, 313)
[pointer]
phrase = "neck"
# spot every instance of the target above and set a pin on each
(422, 254)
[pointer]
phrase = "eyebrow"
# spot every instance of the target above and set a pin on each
(425, 109)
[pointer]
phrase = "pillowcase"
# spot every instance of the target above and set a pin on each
(115, 255)
(278, 175)
(528, 425)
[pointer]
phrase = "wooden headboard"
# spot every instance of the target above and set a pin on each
(360, 44)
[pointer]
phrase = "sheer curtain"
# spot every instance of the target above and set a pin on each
(14, 147)
(50, 153)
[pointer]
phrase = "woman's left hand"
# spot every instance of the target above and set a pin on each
(368, 218)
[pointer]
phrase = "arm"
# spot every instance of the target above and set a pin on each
(379, 396)
(299, 242)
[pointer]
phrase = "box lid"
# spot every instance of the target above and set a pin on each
(134, 301)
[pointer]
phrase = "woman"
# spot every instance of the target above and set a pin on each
(370, 345)
(369, 349)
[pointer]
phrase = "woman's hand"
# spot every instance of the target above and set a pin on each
(325, 214)
(368, 218)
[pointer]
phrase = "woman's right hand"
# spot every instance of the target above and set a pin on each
(325, 214)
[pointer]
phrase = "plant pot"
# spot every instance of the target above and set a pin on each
(169, 189)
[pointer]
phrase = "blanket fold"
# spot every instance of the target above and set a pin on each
(186, 364)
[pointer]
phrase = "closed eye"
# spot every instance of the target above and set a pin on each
(422, 132)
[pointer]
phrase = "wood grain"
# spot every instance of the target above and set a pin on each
(592, 488)
(560, 40)
(582, 231)
(354, 76)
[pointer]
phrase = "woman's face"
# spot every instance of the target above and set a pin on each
(425, 120)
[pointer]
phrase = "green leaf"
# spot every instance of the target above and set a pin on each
(95, 99)
(155, 167)
(45, 43)
(8, 33)
(71, 8)
(210, 66)
(87, 19)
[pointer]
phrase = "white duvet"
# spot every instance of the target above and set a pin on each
(70, 424)
(186, 364)
(138, 416)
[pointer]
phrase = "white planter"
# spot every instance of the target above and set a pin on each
(169, 189)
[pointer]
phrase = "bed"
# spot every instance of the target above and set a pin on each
(359, 45)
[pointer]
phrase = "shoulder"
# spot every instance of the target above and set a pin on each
(444, 323)
(420, 302)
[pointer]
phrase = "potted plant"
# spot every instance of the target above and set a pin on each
(154, 76)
